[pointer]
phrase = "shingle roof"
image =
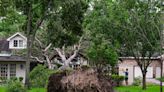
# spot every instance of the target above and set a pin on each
(4, 45)
(12, 58)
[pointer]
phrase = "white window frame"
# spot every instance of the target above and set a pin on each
(19, 43)
(12, 72)
(4, 71)
(9, 72)
(15, 43)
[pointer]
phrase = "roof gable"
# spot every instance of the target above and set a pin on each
(16, 34)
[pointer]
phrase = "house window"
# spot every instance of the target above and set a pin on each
(12, 70)
(15, 43)
(4, 71)
(18, 43)
(7, 71)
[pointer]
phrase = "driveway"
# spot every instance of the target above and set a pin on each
(154, 81)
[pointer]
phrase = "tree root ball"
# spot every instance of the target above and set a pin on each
(81, 80)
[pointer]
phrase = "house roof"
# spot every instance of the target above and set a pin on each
(16, 35)
(131, 58)
(12, 58)
(4, 45)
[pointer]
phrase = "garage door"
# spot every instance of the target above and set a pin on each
(137, 72)
(158, 72)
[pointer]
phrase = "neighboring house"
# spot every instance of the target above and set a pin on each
(12, 65)
(12, 62)
(129, 63)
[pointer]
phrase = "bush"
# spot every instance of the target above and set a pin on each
(161, 79)
(39, 76)
(14, 85)
(117, 79)
(21, 79)
(137, 81)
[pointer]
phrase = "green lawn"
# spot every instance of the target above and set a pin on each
(152, 88)
(37, 90)
(3, 89)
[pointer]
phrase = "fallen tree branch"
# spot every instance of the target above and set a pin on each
(36, 58)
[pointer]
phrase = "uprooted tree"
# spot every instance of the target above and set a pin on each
(82, 80)
(61, 56)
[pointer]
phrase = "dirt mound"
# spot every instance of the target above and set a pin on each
(82, 80)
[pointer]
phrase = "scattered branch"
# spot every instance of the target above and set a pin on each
(41, 61)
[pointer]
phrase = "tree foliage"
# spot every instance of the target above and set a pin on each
(101, 52)
(65, 27)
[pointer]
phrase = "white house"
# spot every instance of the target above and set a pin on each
(153, 70)
(12, 65)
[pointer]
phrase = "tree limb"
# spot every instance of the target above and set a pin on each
(47, 47)
(60, 54)
(41, 61)
(40, 43)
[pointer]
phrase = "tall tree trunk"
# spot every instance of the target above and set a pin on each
(28, 63)
(29, 45)
(144, 81)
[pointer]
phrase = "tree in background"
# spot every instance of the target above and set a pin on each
(102, 25)
(101, 54)
(142, 32)
(132, 27)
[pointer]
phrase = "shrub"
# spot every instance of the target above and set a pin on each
(39, 76)
(117, 79)
(14, 85)
(21, 79)
(161, 79)
(137, 81)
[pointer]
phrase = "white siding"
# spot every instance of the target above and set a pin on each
(138, 72)
(20, 72)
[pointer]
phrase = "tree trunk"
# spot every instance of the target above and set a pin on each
(29, 44)
(144, 81)
(66, 65)
(113, 70)
(28, 63)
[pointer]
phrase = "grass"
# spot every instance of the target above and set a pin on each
(152, 88)
(37, 90)
(3, 89)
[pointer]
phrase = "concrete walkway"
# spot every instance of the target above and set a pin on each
(154, 81)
